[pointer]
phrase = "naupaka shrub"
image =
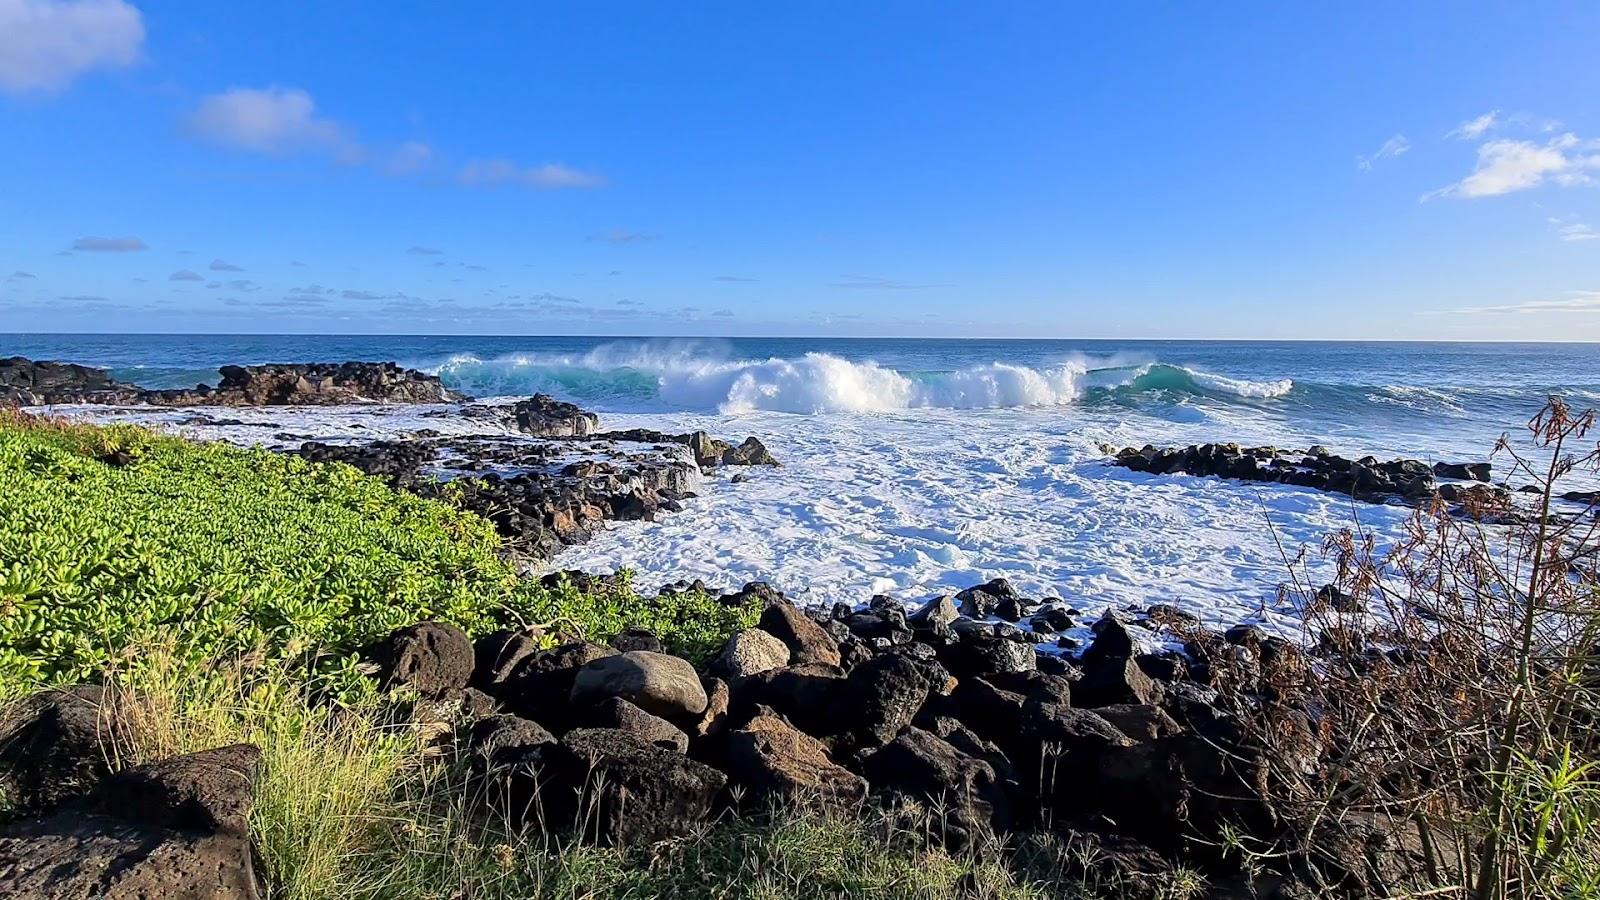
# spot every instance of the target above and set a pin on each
(113, 534)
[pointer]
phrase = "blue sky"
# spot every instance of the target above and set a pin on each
(1426, 170)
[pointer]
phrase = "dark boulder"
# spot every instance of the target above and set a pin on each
(496, 656)
(1113, 680)
(617, 789)
(55, 746)
(174, 829)
(615, 712)
(435, 659)
(777, 761)
(1142, 723)
(506, 741)
(879, 698)
(541, 686)
(545, 416)
(980, 649)
(928, 769)
(636, 639)
(750, 453)
(808, 642)
(655, 682)
(802, 694)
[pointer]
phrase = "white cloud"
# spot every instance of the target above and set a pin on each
(549, 176)
(1395, 146)
(269, 120)
(109, 245)
(1506, 166)
(44, 44)
(1472, 129)
(1574, 302)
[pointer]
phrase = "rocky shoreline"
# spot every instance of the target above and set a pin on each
(1144, 756)
(554, 485)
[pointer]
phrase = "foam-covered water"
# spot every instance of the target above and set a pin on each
(912, 467)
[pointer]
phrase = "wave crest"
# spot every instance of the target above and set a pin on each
(699, 375)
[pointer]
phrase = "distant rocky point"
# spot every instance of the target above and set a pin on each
(25, 382)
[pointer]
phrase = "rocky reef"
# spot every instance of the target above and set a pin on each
(546, 494)
(1367, 479)
(24, 382)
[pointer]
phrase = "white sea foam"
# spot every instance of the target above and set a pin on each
(693, 375)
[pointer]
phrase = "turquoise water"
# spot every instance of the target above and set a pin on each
(1416, 398)
(916, 466)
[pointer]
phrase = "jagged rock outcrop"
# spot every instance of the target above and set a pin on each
(540, 416)
(26, 382)
(1367, 479)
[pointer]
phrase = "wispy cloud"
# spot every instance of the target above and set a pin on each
(1472, 129)
(45, 44)
(873, 283)
(1573, 302)
(20, 275)
(624, 236)
(186, 275)
(550, 176)
(1506, 166)
(84, 298)
(1573, 231)
(416, 250)
(1398, 145)
(109, 245)
(218, 265)
(273, 120)
(408, 159)
(735, 279)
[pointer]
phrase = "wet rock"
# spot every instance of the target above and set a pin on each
(436, 659)
(808, 642)
(1462, 471)
(545, 416)
(655, 682)
(618, 789)
(1051, 618)
(777, 761)
(750, 453)
(751, 652)
(939, 612)
(979, 602)
(983, 649)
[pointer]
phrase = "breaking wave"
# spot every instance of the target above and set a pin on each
(695, 375)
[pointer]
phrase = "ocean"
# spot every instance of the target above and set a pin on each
(915, 466)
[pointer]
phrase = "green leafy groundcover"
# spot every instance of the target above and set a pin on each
(113, 534)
